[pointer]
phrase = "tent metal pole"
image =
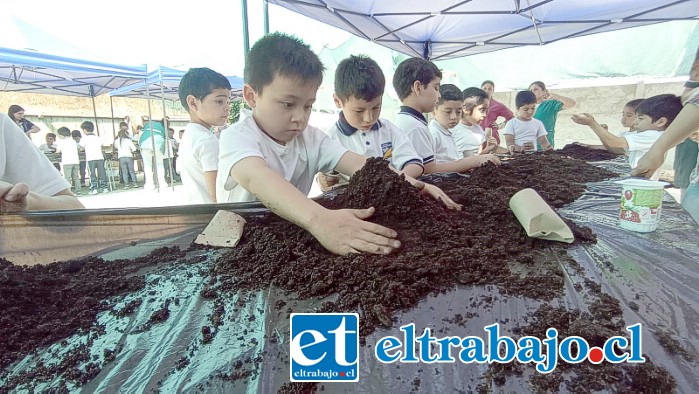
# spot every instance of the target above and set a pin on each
(265, 15)
(154, 173)
(246, 33)
(94, 109)
(167, 135)
(111, 107)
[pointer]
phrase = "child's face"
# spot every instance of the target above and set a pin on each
(644, 122)
(538, 92)
(284, 106)
(212, 110)
(448, 113)
(429, 95)
(628, 117)
(526, 112)
(50, 140)
(477, 114)
(359, 113)
(488, 89)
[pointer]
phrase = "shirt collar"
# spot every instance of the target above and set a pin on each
(413, 112)
(348, 130)
(441, 129)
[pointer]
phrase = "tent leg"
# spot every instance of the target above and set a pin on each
(94, 109)
(246, 33)
(265, 16)
(111, 107)
(167, 138)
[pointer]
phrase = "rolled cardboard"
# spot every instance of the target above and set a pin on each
(538, 218)
(225, 230)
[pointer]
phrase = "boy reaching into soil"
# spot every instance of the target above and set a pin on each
(628, 120)
(359, 87)
(272, 155)
(205, 94)
(653, 115)
(416, 82)
(523, 132)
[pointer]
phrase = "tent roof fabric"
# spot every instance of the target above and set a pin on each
(445, 29)
(169, 80)
(34, 72)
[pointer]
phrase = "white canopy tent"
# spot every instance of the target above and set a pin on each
(445, 29)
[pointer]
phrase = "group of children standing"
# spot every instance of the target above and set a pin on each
(272, 155)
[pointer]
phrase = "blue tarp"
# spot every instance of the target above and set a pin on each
(34, 72)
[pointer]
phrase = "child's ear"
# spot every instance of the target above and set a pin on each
(338, 102)
(416, 87)
(191, 102)
(249, 95)
(662, 123)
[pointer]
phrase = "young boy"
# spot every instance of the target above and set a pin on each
(95, 159)
(70, 160)
(205, 94)
(628, 120)
(50, 145)
(523, 132)
(416, 82)
(653, 115)
(273, 154)
(359, 87)
(447, 115)
(470, 138)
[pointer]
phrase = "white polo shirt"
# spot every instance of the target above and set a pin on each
(93, 147)
(525, 131)
(69, 150)
(22, 162)
(298, 161)
(639, 144)
(384, 140)
(198, 153)
(414, 125)
(468, 139)
(444, 145)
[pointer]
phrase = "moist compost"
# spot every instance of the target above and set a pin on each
(580, 152)
(483, 244)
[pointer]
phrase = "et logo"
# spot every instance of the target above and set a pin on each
(324, 347)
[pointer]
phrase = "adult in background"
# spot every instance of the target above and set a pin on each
(16, 113)
(152, 150)
(496, 110)
(29, 188)
(548, 106)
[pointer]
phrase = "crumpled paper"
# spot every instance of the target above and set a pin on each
(538, 218)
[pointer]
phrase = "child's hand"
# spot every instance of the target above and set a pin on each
(437, 194)
(604, 126)
(492, 144)
(13, 198)
(548, 147)
(346, 231)
(327, 181)
(584, 119)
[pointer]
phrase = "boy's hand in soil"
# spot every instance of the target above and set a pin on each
(346, 231)
(13, 198)
(327, 181)
(437, 194)
(482, 159)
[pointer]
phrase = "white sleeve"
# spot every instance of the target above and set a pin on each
(330, 151)
(403, 151)
(540, 129)
(642, 141)
(421, 139)
(236, 143)
(207, 152)
(509, 128)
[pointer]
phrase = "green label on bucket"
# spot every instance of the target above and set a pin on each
(648, 198)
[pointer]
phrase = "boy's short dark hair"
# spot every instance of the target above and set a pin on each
(449, 92)
(76, 133)
(411, 70)
(360, 77)
(634, 103)
(199, 82)
(87, 126)
(63, 131)
(661, 106)
(525, 97)
(473, 97)
(123, 124)
(51, 135)
(281, 54)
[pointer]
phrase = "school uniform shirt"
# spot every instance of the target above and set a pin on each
(414, 125)
(16, 151)
(468, 139)
(125, 147)
(525, 131)
(444, 144)
(45, 148)
(93, 147)
(639, 144)
(298, 161)
(69, 150)
(384, 140)
(197, 154)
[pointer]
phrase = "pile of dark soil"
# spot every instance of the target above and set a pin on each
(582, 153)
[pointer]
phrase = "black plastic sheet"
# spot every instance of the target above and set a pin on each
(657, 271)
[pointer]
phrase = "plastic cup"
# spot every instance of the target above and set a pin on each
(641, 203)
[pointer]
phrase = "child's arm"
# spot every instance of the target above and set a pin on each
(462, 165)
(491, 144)
(544, 142)
(18, 198)
(413, 170)
(340, 231)
(588, 146)
(610, 141)
(210, 178)
(510, 141)
(568, 102)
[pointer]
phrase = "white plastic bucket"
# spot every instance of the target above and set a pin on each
(641, 202)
